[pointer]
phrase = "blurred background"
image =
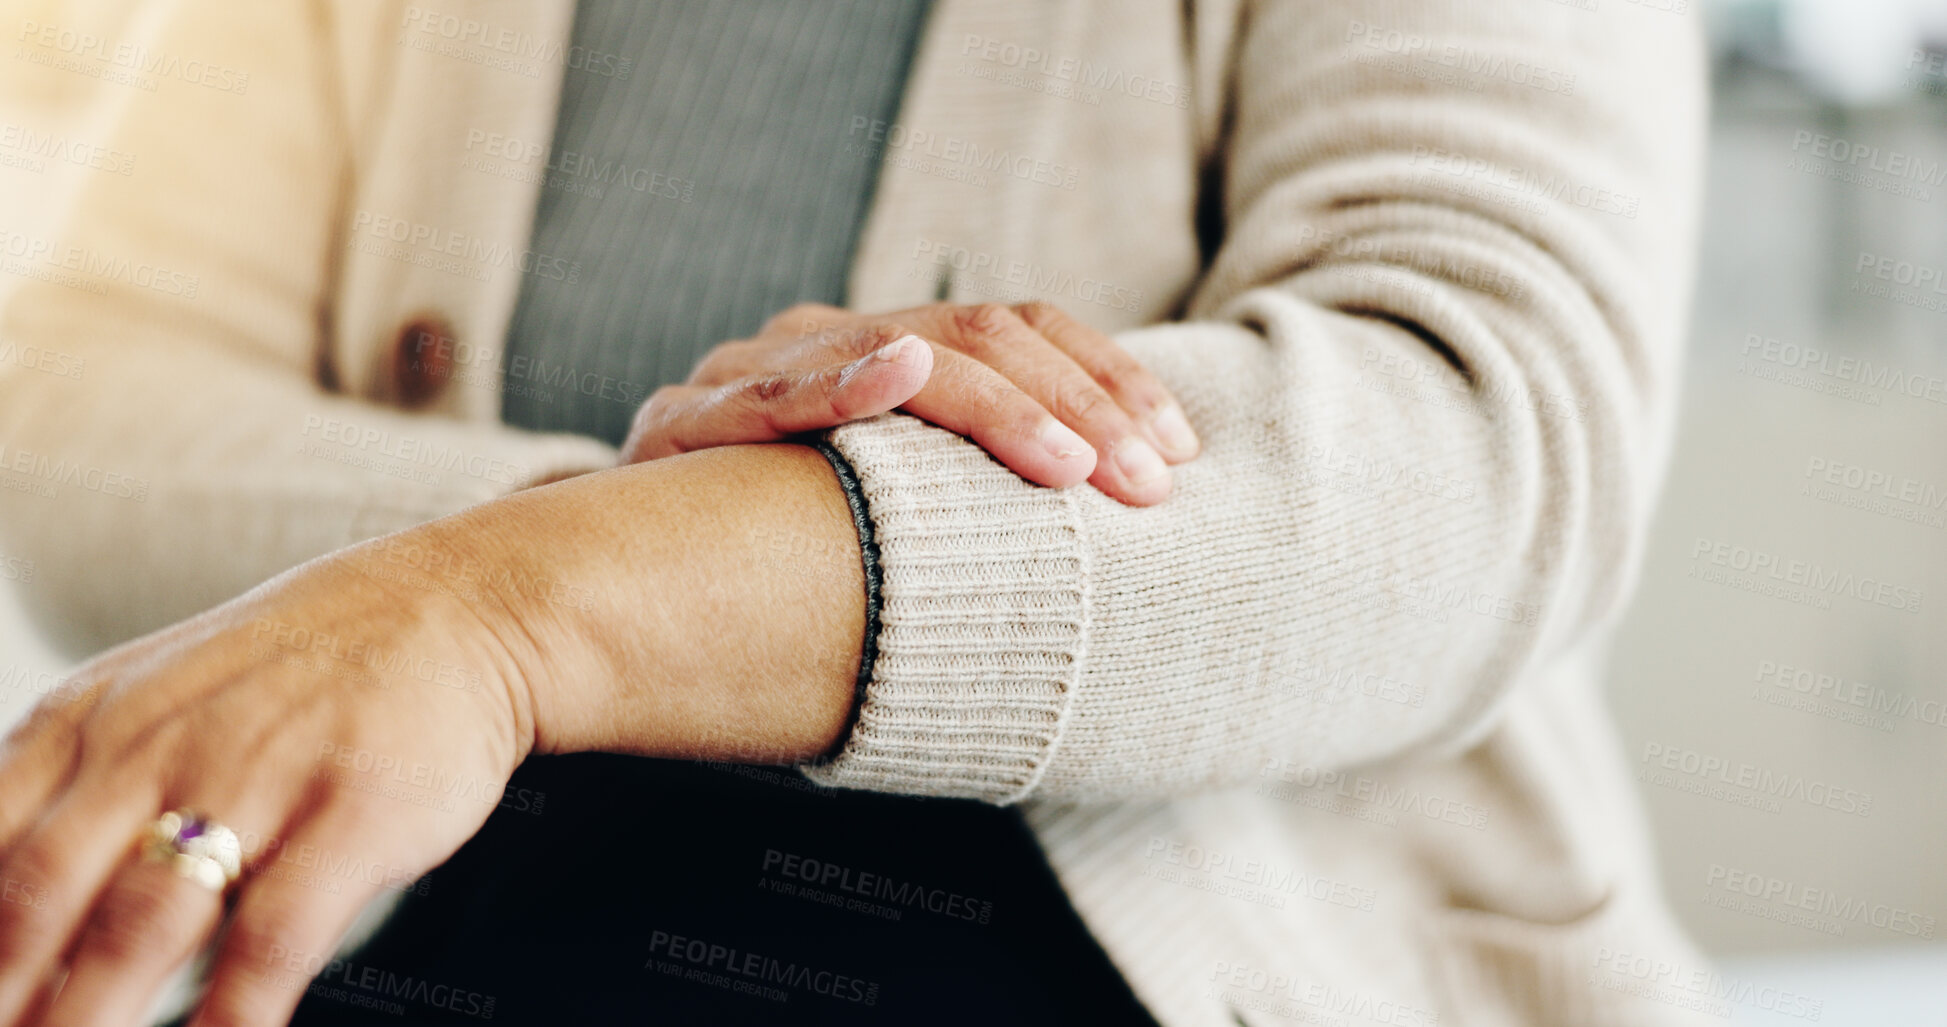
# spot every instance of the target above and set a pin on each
(1828, 153)
(1814, 428)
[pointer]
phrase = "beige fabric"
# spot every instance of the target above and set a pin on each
(1316, 740)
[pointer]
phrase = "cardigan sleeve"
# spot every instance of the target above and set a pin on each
(197, 277)
(1432, 363)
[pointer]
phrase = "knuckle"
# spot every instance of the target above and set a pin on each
(1083, 404)
(862, 341)
(881, 334)
(141, 747)
(34, 866)
(25, 934)
(141, 922)
(765, 389)
(1039, 313)
(981, 324)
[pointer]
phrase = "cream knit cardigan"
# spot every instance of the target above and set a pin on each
(1314, 741)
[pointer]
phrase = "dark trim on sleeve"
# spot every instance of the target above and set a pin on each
(848, 479)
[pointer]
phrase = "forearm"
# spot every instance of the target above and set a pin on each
(709, 605)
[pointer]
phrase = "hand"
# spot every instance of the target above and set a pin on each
(334, 718)
(1053, 399)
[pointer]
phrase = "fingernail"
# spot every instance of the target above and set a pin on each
(1060, 441)
(904, 349)
(1139, 462)
(1173, 431)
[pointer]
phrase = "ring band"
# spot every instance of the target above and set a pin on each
(196, 847)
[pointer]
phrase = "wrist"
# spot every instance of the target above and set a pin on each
(433, 580)
(509, 591)
(709, 605)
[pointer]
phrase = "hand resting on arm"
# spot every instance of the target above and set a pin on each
(1050, 397)
(706, 603)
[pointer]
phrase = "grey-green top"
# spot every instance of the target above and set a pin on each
(717, 177)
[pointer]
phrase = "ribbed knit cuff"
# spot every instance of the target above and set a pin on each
(982, 622)
(848, 479)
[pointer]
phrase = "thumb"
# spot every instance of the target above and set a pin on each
(772, 407)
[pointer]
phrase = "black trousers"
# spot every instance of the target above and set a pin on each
(617, 890)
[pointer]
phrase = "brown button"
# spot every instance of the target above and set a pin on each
(422, 359)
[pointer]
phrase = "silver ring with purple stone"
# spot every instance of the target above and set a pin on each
(196, 847)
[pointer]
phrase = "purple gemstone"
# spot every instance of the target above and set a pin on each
(191, 829)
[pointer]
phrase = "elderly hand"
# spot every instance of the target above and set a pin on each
(336, 717)
(356, 719)
(1053, 399)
